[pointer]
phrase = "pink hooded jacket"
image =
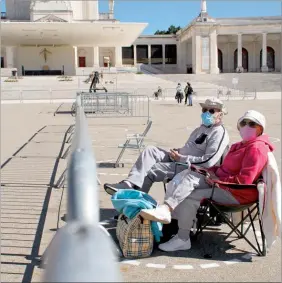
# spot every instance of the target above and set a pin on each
(245, 161)
(243, 165)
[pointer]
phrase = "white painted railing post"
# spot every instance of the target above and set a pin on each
(82, 251)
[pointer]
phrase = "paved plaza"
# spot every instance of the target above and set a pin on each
(32, 207)
(47, 55)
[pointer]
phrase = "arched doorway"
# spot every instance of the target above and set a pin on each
(220, 60)
(270, 58)
(245, 59)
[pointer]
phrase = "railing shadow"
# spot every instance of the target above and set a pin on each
(24, 199)
(21, 148)
(39, 231)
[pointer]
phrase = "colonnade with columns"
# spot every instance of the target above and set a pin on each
(199, 57)
(118, 55)
(264, 67)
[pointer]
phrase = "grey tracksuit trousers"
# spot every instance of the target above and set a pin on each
(184, 194)
(204, 147)
(152, 165)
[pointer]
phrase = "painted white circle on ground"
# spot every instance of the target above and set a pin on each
(204, 265)
(189, 266)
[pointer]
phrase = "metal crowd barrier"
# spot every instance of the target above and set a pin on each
(235, 94)
(198, 92)
(115, 105)
(82, 251)
(54, 95)
(105, 103)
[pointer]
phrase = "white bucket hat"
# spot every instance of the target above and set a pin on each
(254, 116)
(214, 103)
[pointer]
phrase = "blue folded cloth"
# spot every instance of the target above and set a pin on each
(130, 202)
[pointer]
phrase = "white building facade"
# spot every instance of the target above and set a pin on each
(209, 45)
(72, 37)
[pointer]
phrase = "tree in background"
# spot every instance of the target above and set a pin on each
(171, 30)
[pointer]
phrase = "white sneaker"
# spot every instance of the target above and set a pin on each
(160, 214)
(175, 244)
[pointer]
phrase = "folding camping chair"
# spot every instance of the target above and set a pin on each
(138, 140)
(205, 217)
(260, 208)
(252, 210)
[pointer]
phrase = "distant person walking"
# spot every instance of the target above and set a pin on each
(188, 94)
(179, 93)
(158, 93)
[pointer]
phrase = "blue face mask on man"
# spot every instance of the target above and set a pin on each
(207, 119)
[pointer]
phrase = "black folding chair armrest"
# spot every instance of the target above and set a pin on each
(236, 186)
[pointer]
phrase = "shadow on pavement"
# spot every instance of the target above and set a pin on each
(26, 200)
(210, 245)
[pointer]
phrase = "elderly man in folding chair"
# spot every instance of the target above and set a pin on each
(242, 165)
(205, 147)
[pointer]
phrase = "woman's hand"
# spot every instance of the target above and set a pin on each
(212, 175)
(209, 181)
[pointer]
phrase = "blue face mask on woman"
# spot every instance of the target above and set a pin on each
(207, 119)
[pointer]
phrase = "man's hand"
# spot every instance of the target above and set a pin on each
(174, 155)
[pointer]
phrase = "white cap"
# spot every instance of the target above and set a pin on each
(254, 116)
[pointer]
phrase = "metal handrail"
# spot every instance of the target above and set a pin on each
(167, 92)
(82, 251)
(83, 204)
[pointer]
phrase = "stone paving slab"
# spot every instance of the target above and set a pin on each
(44, 137)
(29, 172)
(42, 149)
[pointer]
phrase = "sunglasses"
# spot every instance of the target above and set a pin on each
(249, 123)
(212, 111)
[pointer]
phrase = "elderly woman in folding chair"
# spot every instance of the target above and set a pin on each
(242, 165)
